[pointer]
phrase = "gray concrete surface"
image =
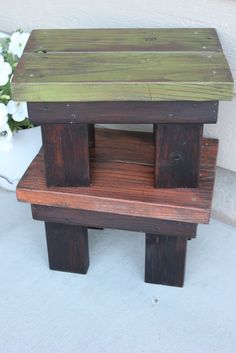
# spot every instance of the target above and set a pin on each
(111, 309)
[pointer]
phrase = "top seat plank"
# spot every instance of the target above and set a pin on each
(151, 39)
(122, 65)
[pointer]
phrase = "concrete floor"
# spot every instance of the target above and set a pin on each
(111, 309)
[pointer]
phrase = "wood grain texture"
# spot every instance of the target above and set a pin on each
(177, 155)
(165, 260)
(66, 155)
(123, 112)
(121, 76)
(122, 65)
(114, 221)
(128, 39)
(132, 67)
(122, 176)
(67, 247)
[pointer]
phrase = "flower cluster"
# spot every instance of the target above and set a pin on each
(13, 115)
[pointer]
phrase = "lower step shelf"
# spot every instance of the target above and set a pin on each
(122, 172)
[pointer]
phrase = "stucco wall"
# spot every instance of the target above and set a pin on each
(221, 14)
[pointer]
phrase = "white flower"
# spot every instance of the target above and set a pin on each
(18, 110)
(17, 43)
(5, 138)
(3, 114)
(5, 71)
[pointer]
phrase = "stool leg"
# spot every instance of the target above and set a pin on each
(66, 154)
(67, 247)
(165, 259)
(177, 158)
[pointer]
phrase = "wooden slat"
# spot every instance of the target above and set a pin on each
(122, 76)
(162, 39)
(123, 112)
(125, 186)
(114, 221)
(78, 68)
(53, 92)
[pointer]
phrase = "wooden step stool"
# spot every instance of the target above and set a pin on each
(159, 183)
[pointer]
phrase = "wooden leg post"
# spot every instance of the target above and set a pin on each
(66, 153)
(177, 155)
(67, 247)
(165, 259)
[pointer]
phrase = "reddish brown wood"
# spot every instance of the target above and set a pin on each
(177, 161)
(123, 112)
(66, 154)
(165, 260)
(67, 247)
(108, 220)
(122, 182)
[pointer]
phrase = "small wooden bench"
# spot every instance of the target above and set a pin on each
(159, 183)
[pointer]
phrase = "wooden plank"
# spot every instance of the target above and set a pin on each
(123, 112)
(128, 39)
(67, 247)
(112, 67)
(165, 260)
(125, 187)
(121, 76)
(114, 221)
(95, 92)
(177, 160)
(66, 153)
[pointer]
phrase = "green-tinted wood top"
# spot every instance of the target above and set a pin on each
(75, 40)
(122, 64)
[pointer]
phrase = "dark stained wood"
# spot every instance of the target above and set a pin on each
(67, 247)
(165, 260)
(177, 161)
(91, 135)
(123, 112)
(66, 154)
(122, 170)
(116, 221)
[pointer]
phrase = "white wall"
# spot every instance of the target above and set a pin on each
(221, 14)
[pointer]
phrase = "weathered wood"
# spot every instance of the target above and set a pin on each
(116, 76)
(123, 112)
(116, 221)
(165, 260)
(177, 160)
(128, 39)
(122, 182)
(67, 247)
(66, 154)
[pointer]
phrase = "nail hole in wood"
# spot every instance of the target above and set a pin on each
(175, 156)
